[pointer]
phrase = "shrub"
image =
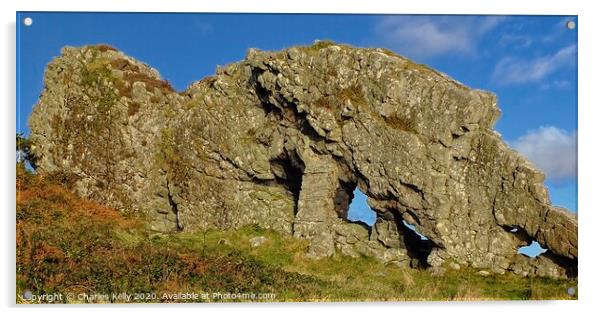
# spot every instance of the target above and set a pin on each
(25, 155)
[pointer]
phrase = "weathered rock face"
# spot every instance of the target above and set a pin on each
(282, 139)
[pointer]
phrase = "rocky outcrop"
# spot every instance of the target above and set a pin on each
(282, 139)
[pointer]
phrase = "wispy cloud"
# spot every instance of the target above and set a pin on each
(516, 41)
(422, 36)
(555, 84)
(203, 28)
(551, 149)
(512, 70)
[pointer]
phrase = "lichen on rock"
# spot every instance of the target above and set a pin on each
(282, 139)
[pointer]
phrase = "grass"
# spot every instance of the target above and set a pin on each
(402, 124)
(70, 245)
(150, 83)
(318, 45)
(350, 279)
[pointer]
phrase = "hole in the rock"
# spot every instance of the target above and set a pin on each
(518, 233)
(412, 227)
(419, 247)
(533, 250)
(359, 210)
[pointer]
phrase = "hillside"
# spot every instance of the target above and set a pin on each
(71, 246)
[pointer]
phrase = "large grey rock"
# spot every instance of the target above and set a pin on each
(282, 139)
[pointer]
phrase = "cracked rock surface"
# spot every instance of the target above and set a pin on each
(282, 139)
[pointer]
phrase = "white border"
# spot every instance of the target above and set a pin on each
(589, 156)
(552, 7)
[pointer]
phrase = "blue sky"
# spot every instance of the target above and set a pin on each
(529, 62)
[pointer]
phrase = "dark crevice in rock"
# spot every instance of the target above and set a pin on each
(518, 232)
(284, 109)
(263, 94)
(174, 208)
(414, 188)
(417, 247)
(306, 129)
(569, 265)
(411, 216)
(289, 176)
(343, 198)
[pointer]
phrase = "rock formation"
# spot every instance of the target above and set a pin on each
(282, 139)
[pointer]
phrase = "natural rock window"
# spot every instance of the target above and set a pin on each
(532, 250)
(412, 227)
(359, 210)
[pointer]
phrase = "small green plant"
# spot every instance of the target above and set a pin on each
(320, 44)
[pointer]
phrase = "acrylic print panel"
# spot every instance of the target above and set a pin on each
(295, 157)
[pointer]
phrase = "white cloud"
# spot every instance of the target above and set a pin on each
(422, 36)
(510, 70)
(552, 150)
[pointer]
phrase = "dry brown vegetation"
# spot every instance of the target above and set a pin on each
(105, 47)
(66, 244)
(149, 82)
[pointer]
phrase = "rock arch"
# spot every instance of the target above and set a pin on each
(280, 139)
